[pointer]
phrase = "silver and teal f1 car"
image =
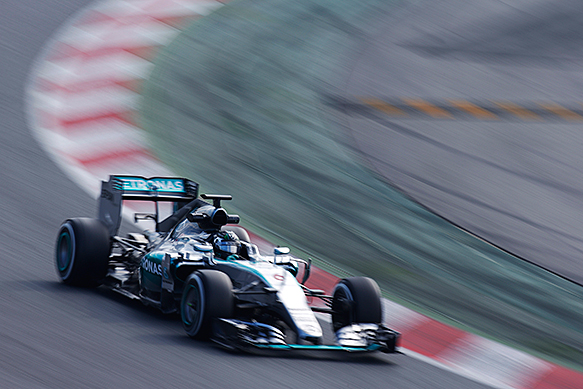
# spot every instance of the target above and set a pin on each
(199, 263)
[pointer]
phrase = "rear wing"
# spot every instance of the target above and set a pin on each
(179, 191)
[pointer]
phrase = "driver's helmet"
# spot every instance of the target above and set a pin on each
(226, 243)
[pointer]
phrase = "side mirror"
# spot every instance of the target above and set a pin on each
(281, 250)
(281, 255)
(282, 258)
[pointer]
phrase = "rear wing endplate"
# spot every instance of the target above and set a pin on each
(121, 187)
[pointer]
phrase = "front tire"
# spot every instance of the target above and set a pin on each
(82, 252)
(356, 300)
(207, 295)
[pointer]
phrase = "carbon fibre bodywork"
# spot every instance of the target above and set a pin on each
(240, 300)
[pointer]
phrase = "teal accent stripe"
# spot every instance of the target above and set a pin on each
(317, 347)
(251, 269)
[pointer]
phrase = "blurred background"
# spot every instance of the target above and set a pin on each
(445, 101)
(432, 146)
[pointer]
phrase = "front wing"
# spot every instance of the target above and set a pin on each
(242, 335)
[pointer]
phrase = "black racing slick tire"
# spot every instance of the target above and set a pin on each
(356, 300)
(82, 252)
(208, 294)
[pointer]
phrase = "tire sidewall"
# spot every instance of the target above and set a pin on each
(215, 300)
(363, 305)
(68, 233)
(343, 313)
(82, 252)
(193, 325)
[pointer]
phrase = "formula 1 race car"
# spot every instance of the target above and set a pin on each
(200, 264)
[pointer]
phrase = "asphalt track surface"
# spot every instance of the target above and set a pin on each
(489, 129)
(55, 336)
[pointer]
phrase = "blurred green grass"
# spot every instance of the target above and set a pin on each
(235, 103)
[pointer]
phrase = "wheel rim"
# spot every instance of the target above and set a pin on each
(64, 253)
(191, 306)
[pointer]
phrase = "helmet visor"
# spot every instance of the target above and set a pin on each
(229, 247)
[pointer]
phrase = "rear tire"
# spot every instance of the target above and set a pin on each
(82, 252)
(207, 295)
(356, 300)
